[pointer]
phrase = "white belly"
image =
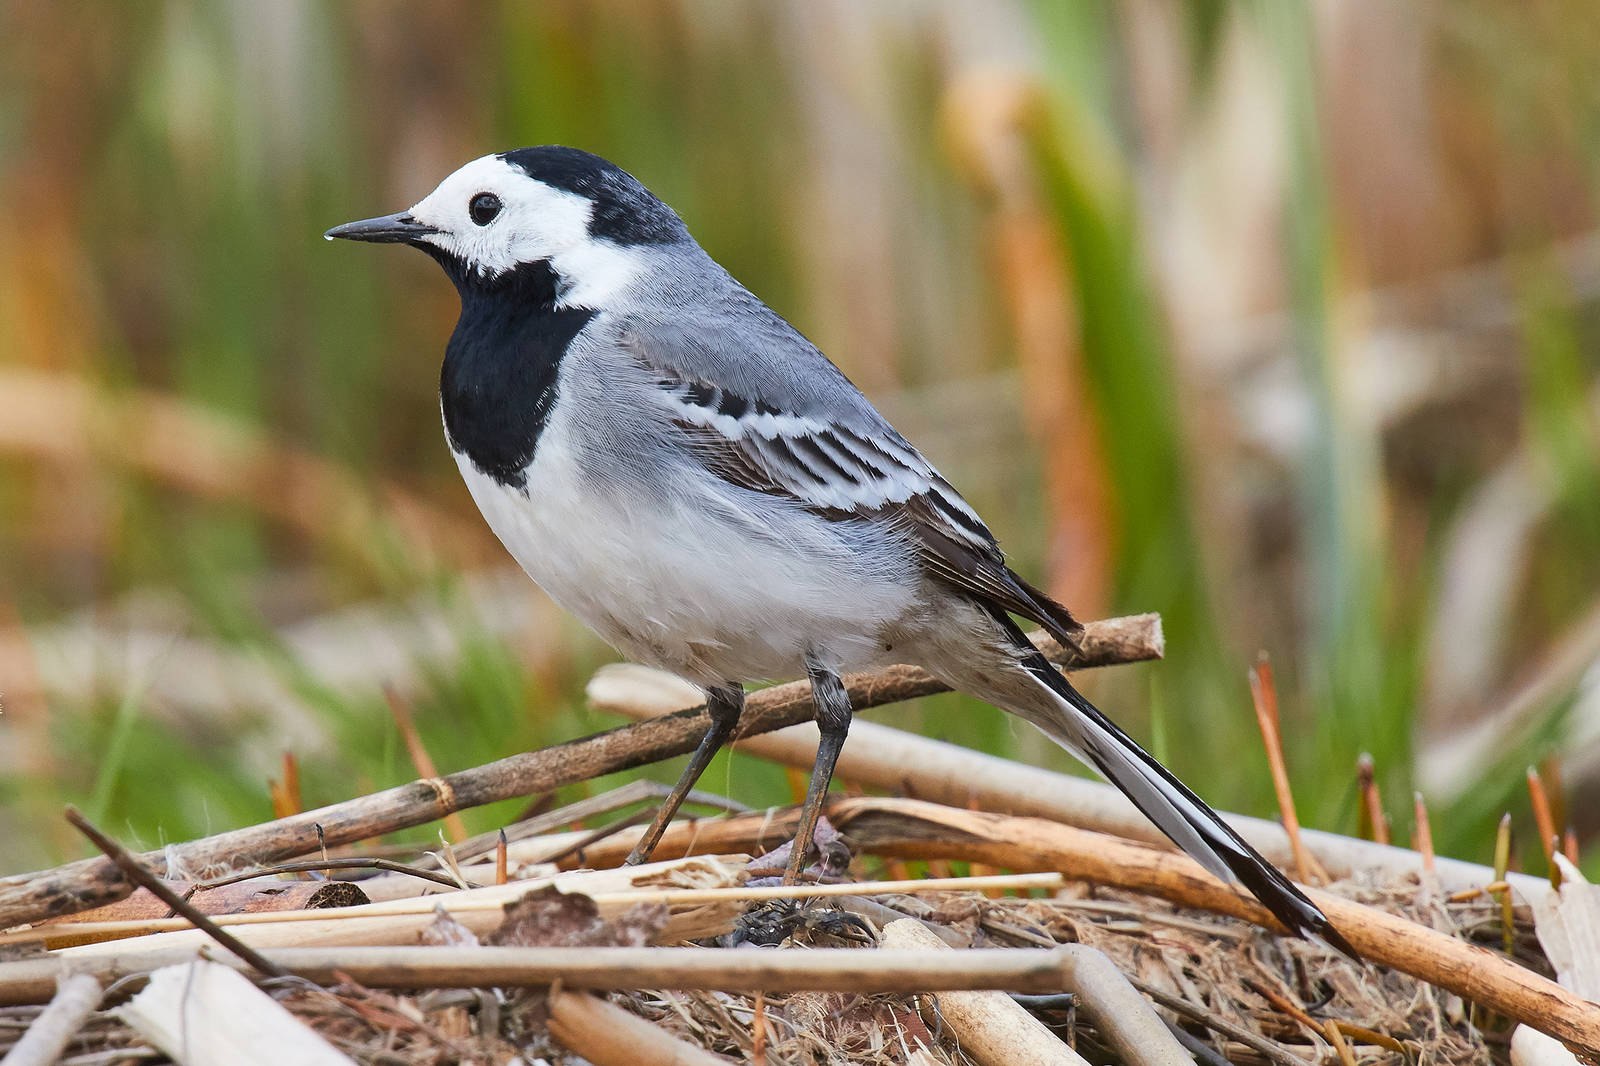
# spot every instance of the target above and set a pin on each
(685, 583)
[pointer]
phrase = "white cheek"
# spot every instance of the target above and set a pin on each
(596, 271)
(539, 223)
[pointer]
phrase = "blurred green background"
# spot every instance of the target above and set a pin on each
(1275, 318)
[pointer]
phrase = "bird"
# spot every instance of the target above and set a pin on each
(680, 468)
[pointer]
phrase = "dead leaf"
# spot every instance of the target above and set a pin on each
(549, 917)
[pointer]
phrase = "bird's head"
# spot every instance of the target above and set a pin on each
(584, 219)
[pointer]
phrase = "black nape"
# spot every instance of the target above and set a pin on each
(625, 212)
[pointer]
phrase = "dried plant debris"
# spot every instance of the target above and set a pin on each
(386, 1029)
(1236, 991)
(1285, 991)
(1225, 977)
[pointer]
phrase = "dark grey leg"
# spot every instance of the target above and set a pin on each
(833, 722)
(723, 704)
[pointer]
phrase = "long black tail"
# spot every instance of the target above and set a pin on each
(1083, 730)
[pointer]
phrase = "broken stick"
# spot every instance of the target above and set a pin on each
(822, 969)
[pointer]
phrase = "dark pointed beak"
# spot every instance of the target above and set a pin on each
(398, 228)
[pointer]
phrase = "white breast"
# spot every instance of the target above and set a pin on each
(692, 579)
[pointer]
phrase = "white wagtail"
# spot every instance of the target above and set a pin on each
(681, 469)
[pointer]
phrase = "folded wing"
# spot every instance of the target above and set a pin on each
(844, 472)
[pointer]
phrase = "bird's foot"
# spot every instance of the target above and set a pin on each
(773, 922)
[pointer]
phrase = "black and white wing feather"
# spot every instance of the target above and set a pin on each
(852, 468)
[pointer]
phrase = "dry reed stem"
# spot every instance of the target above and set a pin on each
(542, 822)
(1542, 816)
(93, 882)
(1502, 870)
(203, 1013)
(1123, 1018)
(1284, 1005)
(267, 894)
(1330, 1028)
(77, 996)
(863, 971)
(285, 794)
(1424, 835)
(1264, 695)
(758, 1030)
(1374, 820)
(913, 828)
(606, 1035)
(1555, 787)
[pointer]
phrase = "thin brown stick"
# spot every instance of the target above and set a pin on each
(315, 865)
(1264, 694)
(136, 872)
(92, 882)
(543, 821)
(758, 1030)
(1284, 1005)
(406, 722)
(709, 969)
(1212, 1020)
(1543, 818)
(1502, 867)
(912, 828)
(285, 794)
(1375, 821)
(1424, 834)
(1371, 1036)
(1330, 1029)
(1555, 788)
(578, 847)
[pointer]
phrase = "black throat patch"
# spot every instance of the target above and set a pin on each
(499, 376)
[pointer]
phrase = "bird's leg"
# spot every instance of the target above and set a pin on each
(723, 704)
(833, 722)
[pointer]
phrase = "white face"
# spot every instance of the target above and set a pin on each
(535, 221)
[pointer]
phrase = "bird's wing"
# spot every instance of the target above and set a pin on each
(844, 462)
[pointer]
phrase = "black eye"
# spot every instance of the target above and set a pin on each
(483, 208)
